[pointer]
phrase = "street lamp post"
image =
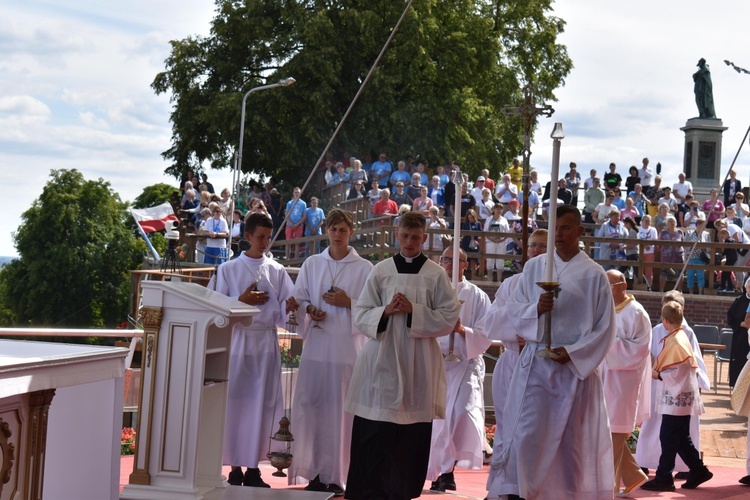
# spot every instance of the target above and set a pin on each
(284, 82)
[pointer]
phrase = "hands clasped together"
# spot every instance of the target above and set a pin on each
(399, 304)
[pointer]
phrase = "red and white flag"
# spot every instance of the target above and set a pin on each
(154, 218)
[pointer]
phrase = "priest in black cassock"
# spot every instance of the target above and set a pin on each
(399, 385)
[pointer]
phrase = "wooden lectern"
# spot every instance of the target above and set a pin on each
(185, 367)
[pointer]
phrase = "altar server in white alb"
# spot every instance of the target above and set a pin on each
(254, 405)
(648, 450)
(556, 438)
(626, 373)
(398, 386)
(458, 439)
(327, 288)
(497, 325)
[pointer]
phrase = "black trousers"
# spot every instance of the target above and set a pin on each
(388, 461)
(674, 437)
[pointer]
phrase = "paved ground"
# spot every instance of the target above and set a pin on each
(723, 442)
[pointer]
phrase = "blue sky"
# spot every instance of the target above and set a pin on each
(75, 88)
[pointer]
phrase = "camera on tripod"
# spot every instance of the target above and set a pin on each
(171, 232)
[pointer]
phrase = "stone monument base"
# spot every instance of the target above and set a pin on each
(702, 161)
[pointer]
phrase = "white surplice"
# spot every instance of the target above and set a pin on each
(399, 375)
(322, 430)
(556, 438)
(254, 403)
(497, 325)
(459, 437)
(648, 449)
(626, 372)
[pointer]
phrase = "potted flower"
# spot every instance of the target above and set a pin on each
(127, 441)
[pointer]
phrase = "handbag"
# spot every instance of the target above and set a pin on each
(703, 256)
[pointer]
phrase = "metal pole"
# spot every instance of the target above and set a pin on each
(284, 82)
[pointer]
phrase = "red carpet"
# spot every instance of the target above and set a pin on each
(471, 484)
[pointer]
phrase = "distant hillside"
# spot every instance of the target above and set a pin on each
(6, 260)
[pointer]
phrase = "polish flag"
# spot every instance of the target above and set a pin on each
(153, 218)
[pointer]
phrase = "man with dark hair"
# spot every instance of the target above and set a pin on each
(556, 440)
(612, 179)
(399, 386)
(209, 186)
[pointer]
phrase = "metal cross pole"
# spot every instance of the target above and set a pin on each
(528, 112)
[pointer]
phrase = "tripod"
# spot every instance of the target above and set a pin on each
(170, 262)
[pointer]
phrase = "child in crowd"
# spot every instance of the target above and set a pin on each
(677, 399)
(730, 259)
(216, 231)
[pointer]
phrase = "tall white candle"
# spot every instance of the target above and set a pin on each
(458, 181)
(557, 136)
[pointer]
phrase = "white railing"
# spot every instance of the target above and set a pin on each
(65, 332)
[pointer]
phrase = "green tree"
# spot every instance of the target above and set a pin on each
(437, 94)
(75, 256)
(156, 194)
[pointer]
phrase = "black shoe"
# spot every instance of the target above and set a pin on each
(447, 481)
(436, 486)
(682, 476)
(658, 485)
(697, 477)
(235, 476)
(252, 478)
(745, 480)
(315, 485)
(337, 490)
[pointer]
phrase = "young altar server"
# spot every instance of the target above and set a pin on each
(678, 400)
(626, 375)
(495, 323)
(458, 439)
(556, 439)
(398, 386)
(327, 288)
(254, 403)
(648, 450)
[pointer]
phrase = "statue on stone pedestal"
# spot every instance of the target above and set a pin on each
(704, 96)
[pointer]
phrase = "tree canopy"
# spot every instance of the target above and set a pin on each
(437, 94)
(156, 194)
(75, 256)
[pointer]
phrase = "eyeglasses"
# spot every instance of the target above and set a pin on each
(447, 260)
(618, 283)
(538, 245)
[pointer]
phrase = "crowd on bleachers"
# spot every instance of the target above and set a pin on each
(640, 206)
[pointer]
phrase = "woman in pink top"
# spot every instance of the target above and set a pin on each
(713, 208)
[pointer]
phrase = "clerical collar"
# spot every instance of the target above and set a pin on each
(409, 259)
(409, 265)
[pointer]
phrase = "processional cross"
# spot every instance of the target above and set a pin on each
(528, 112)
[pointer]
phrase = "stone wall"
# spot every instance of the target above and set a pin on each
(699, 309)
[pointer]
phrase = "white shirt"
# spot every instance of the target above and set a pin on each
(509, 193)
(682, 188)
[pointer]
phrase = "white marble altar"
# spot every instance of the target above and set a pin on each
(60, 416)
